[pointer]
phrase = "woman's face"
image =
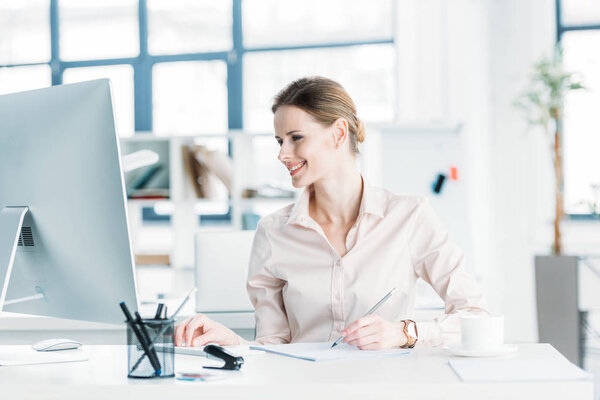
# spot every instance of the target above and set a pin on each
(308, 149)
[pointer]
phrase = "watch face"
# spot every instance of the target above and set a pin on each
(411, 329)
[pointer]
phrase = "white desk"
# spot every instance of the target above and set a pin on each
(423, 375)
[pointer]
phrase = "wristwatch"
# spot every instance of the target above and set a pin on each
(412, 335)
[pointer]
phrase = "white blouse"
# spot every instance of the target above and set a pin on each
(303, 291)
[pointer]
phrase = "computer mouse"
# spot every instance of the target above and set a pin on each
(56, 344)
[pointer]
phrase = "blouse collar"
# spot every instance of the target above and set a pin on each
(372, 202)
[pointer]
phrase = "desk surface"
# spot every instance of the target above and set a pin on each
(425, 374)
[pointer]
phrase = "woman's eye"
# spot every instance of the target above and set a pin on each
(296, 138)
(279, 142)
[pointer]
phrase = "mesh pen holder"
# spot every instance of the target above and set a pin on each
(139, 363)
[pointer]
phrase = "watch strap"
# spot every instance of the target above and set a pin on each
(411, 341)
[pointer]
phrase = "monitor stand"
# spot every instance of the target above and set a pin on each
(11, 222)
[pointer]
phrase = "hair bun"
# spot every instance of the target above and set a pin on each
(360, 131)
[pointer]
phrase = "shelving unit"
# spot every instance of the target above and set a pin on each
(254, 163)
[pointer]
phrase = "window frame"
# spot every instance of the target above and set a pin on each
(143, 64)
(561, 29)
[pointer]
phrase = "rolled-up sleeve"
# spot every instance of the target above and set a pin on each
(265, 292)
(439, 262)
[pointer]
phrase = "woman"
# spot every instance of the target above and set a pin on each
(323, 262)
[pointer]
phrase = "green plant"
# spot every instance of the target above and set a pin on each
(543, 104)
(594, 205)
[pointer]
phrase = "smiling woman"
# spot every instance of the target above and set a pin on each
(318, 265)
(304, 112)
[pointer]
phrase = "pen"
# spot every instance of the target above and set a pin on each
(371, 311)
(192, 291)
(139, 336)
(146, 336)
(159, 310)
(164, 328)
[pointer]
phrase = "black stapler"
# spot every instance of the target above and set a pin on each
(231, 362)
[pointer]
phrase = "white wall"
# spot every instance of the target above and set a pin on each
(443, 68)
(468, 91)
(522, 32)
(467, 61)
(444, 80)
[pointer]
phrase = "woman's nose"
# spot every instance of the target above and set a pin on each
(284, 153)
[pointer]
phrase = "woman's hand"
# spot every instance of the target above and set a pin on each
(200, 330)
(374, 333)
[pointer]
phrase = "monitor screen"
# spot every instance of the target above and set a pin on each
(59, 157)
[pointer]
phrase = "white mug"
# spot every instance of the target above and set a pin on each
(482, 332)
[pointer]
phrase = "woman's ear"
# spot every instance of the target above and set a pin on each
(340, 131)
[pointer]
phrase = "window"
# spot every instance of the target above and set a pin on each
(579, 12)
(270, 23)
(193, 67)
(579, 31)
(188, 67)
(24, 31)
(190, 97)
(121, 77)
(189, 26)
(371, 85)
(17, 79)
(98, 29)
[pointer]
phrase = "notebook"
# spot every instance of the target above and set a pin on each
(322, 351)
(553, 367)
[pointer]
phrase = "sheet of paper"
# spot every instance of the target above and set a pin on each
(25, 355)
(555, 367)
(243, 351)
(322, 351)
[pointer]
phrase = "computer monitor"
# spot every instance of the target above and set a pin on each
(63, 219)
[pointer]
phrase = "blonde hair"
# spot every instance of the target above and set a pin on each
(324, 99)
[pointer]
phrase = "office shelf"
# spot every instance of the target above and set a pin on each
(253, 164)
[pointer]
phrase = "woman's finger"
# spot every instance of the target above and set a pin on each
(206, 338)
(179, 330)
(360, 332)
(372, 346)
(358, 324)
(363, 341)
(197, 322)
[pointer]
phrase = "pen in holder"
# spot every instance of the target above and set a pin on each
(155, 357)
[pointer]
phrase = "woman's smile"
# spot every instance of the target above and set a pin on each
(296, 168)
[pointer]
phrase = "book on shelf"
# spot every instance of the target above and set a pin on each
(205, 168)
(149, 193)
(191, 169)
(144, 177)
(152, 259)
(217, 163)
(141, 179)
(146, 183)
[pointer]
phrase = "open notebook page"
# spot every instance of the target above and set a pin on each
(322, 351)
